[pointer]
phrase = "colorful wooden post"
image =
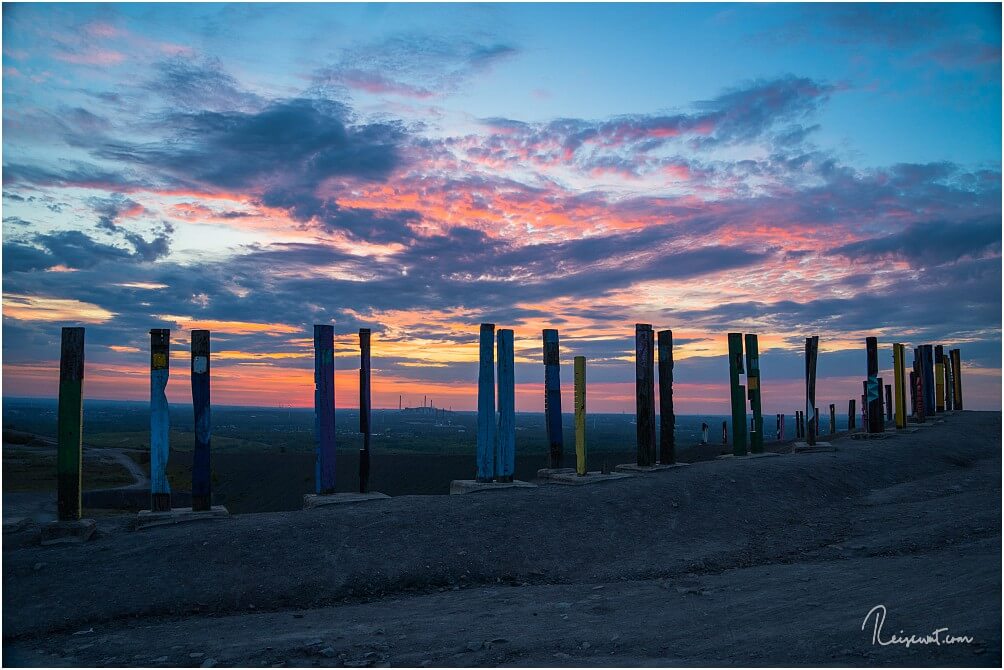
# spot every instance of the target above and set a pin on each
(833, 418)
(324, 409)
(949, 384)
(580, 415)
(753, 390)
(365, 411)
(956, 356)
(939, 379)
(738, 392)
(872, 393)
(644, 343)
(70, 424)
(798, 424)
(725, 434)
(160, 419)
(898, 355)
(888, 402)
(202, 493)
(851, 414)
(486, 404)
(552, 398)
(811, 417)
(930, 391)
(780, 427)
(667, 416)
(506, 453)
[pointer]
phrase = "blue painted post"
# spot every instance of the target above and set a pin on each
(202, 495)
(486, 404)
(506, 454)
(324, 408)
(160, 420)
(552, 398)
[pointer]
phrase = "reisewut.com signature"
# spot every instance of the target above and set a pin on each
(938, 636)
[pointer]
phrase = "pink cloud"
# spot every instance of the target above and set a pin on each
(91, 57)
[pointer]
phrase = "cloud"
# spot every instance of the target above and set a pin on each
(930, 244)
(412, 65)
(200, 85)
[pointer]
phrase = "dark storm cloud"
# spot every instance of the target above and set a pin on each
(74, 249)
(18, 257)
(930, 243)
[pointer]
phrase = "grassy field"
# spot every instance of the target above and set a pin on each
(33, 468)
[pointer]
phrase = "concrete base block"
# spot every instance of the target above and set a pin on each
(569, 477)
(148, 519)
(15, 523)
(312, 500)
(884, 435)
(461, 486)
(806, 448)
(68, 532)
(658, 467)
(749, 454)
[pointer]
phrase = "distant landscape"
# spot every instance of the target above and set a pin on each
(263, 458)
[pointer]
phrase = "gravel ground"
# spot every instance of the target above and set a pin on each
(769, 561)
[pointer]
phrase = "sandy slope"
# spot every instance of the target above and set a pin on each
(767, 561)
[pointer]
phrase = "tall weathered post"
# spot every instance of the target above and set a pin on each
(949, 384)
(780, 427)
(753, 390)
(851, 414)
(505, 458)
(486, 404)
(812, 417)
(202, 492)
(644, 343)
(667, 416)
(898, 355)
(872, 392)
(552, 398)
(930, 391)
(833, 418)
(365, 410)
(888, 402)
(580, 415)
(324, 409)
(956, 356)
(739, 430)
(160, 419)
(939, 379)
(70, 424)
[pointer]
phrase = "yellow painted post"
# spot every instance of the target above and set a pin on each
(580, 415)
(898, 360)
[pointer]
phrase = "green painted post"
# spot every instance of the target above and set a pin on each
(753, 390)
(738, 395)
(70, 424)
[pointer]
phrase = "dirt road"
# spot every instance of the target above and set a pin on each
(770, 561)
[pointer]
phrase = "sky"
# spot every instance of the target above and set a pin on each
(418, 169)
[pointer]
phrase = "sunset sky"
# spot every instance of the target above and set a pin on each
(788, 170)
